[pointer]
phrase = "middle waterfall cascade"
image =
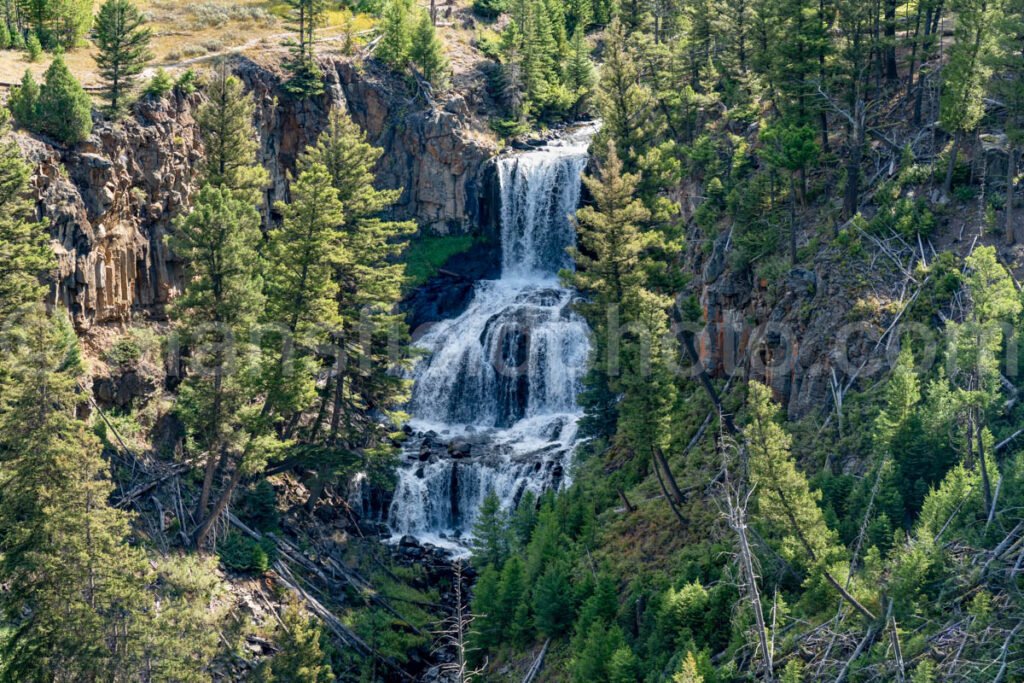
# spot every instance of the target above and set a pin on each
(494, 400)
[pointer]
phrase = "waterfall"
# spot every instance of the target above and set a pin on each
(493, 403)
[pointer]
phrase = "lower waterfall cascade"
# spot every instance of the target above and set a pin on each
(493, 404)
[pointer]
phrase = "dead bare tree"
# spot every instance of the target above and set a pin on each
(452, 634)
(736, 500)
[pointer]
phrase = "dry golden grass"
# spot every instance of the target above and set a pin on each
(190, 33)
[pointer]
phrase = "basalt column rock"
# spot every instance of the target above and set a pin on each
(435, 154)
(109, 202)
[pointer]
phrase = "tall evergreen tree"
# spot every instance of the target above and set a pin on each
(491, 533)
(371, 333)
(123, 42)
(230, 142)
(784, 500)
(24, 252)
(219, 241)
(75, 598)
(610, 270)
(624, 101)
(966, 74)
(301, 310)
(307, 78)
(427, 52)
(64, 110)
(396, 27)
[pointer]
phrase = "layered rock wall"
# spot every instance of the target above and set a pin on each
(110, 202)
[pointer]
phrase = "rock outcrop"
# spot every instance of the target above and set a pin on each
(110, 201)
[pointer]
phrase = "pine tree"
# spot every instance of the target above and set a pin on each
(966, 75)
(487, 631)
(624, 101)
(610, 262)
(592, 662)
(75, 597)
(799, 44)
(300, 256)
(24, 252)
(791, 148)
(579, 71)
(33, 48)
(974, 350)
(64, 110)
(1008, 87)
(427, 52)
(784, 499)
(123, 42)
(307, 78)
(369, 280)
(55, 23)
(230, 142)
(219, 240)
(24, 100)
(396, 25)
(552, 603)
(688, 672)
(300, 658)
(513, 606)
(490, 534)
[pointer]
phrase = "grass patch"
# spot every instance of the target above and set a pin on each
(426, 255)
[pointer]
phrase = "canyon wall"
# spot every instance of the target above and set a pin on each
(110, 201)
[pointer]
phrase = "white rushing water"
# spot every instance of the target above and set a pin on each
(501, 379)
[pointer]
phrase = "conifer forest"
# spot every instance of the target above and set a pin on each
(511, 341)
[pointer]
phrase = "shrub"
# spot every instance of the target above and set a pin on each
(242, 554)
(34, 48)
(259, 506)
(489, 9)
(160, 84)
(187, 82)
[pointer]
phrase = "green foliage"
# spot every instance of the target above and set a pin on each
(553, 603)
(160, 85)
(55, 24)
(426, 52)
(426, 255)
(187, 83)
(123, 42)
(78, 598)
(306, 77)
(229, 141)
(63, 109)
(489, 9)
(243, 554)
(258, 506)
(396, 25)
(33, 48)
(490, 533)
(593, 662)
(301, 658)
(23, 100)
(25, 254)
(369, 275)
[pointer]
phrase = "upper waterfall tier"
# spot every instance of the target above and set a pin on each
(493, 403)
(540, 190)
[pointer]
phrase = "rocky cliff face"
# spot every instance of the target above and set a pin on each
(110, 201)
